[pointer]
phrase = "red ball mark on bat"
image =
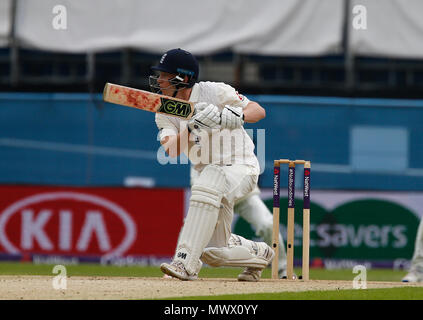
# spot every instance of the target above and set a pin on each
(145, 100)
(131, 97)
(143, 97)
(116, 90)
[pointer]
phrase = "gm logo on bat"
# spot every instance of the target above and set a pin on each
(174, 107)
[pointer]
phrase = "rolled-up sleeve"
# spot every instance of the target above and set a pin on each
(165, 126)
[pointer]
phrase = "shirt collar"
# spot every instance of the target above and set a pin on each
(195, 92)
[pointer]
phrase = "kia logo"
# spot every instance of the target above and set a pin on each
(32, 228)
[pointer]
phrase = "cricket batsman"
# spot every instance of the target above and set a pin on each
(223, 155)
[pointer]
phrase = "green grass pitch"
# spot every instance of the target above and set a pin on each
(408, 293)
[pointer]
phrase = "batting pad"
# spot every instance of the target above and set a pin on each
(238, 256)
(200, 223)
(255, 212)
(240, 252)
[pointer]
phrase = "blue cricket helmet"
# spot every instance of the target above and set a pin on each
(179, 62)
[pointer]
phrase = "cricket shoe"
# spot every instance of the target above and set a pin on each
(176, 269)
(253, 274)
(413, 276)
(165, 276)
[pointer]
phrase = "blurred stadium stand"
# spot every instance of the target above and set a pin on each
(57, 72)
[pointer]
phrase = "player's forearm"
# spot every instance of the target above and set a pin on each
(175, 145)
(253, 112)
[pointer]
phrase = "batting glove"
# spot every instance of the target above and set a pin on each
(200, 106)
(208, 118)
(232, 118)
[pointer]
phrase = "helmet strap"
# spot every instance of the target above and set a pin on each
(175, 92)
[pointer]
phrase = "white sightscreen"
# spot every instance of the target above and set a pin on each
(309, 27)
(5, 19)
(394, 29)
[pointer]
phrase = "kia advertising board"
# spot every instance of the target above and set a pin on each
(141, 226)
(110, 225)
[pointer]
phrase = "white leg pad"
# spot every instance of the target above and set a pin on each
(238, 256)
(255, 212)
(200, 223)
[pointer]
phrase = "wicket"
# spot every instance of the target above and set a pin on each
(291, 218)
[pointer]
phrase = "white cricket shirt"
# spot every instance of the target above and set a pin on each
(221, 147)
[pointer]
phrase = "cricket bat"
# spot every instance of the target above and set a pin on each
(148, 101)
